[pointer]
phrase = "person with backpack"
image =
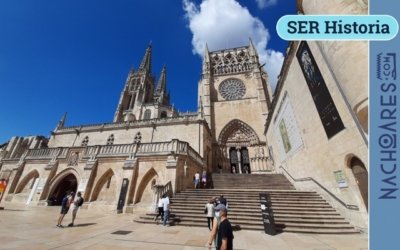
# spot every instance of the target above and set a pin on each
(77, 203)
(65, 204)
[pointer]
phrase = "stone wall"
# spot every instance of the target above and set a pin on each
(315, 155)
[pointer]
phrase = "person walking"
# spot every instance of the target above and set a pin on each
(160, 209)
(223, 201)
(75, 206)
(65, 204)
(209, 209)
(166, 210)
(196, 179)
(225, 232)
(216, 225)
(204, 179)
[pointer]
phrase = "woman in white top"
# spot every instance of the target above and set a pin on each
(209, 209)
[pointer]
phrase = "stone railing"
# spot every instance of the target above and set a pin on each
(116, 150)
(91, 151)
(63, 152)
(190, 117)
(44, 153)
(121, 150)
(187, 113)
(175, 146)
(164, 189)
(261, 164)
(195, 156)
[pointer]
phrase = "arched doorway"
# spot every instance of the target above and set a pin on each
(68, 184)
(235, 141)
(361, 176)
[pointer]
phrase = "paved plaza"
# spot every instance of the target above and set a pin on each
(26, 227)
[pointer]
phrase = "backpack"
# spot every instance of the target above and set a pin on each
(64, 201)
(80, 202)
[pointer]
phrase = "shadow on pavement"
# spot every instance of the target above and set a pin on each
(84, 224)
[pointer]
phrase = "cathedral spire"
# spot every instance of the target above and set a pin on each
(62, 121)
(161, 95)
(206, 56)
(162, 81)
(253, 50)
(146, 61)
(206, 60)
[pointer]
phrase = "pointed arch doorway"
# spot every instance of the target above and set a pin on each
(361, 175)
(239, 160)
(67, 184)
(235, 141)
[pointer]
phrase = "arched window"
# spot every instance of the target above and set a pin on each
(138, 138)
(85, 141)
(164, 114)
(110, 140)
(147, 114)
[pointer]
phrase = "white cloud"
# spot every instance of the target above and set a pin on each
(226, 24)
(262, 4)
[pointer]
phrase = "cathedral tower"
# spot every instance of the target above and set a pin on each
(234, 98)
(139, 100)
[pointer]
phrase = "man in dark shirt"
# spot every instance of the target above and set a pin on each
(225, 234)
(222, 200)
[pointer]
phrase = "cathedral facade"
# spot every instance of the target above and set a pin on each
(315, 125)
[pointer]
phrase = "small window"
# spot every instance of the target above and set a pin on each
(85, 141)
(164, 114)
(147, 114)
(110, 140)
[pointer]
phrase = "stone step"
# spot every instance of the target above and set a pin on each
(303, 226)
(234, 212)
(294, 210)
(247, 199)
(254, 204)
(257, 208)
(247, 192)
(253, 196)
(257, 219)
(237, 190)
(260, 227)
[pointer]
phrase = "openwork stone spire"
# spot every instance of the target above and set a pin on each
(61, 123)
(162, 81)
(160, 94)
(146, 61)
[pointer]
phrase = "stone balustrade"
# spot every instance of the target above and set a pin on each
(261, 164)
(43, 153)
(91, 151)
(119, 149)
(190, 117)
(125, 150)
(195, 156)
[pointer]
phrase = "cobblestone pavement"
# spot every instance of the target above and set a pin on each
(23, 227)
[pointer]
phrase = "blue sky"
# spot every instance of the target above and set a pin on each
(74, 56)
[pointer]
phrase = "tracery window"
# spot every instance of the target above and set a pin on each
(110, 140)
(232, 89)
(85, 141)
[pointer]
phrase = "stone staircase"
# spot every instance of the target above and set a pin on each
(252, 181)
(294, 211)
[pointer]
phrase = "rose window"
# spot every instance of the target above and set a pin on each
(232, 89)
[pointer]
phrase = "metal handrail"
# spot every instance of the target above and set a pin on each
(351, 207)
